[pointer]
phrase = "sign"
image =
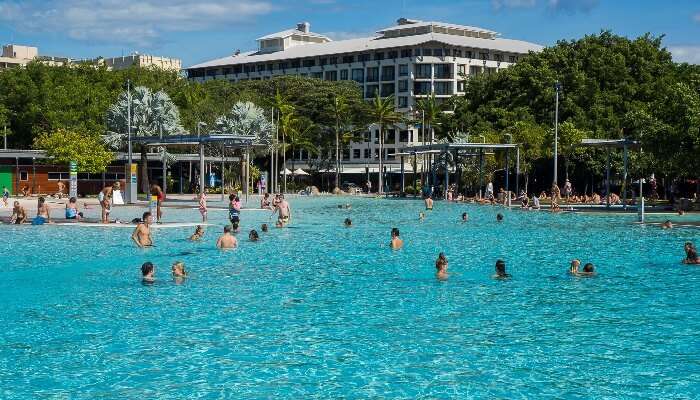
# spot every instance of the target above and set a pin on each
(133, 173)
(73, 185)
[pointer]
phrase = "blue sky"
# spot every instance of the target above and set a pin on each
(199, 30)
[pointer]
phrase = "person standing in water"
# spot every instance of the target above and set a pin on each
(142, 234)
(441, 266)
(148, 271)
(203, 206)
(501, 270)
(227, 240)
(428, 202)
(234, 209)
(284, 211)
(396, 242)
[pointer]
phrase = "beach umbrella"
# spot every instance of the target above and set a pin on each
(300, 171)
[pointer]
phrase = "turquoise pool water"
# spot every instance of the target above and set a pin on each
(321, 311)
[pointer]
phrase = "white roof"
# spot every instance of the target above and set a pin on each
(419, 24)
(290, 32)
(375, 43)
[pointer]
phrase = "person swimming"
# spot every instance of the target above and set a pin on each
(142, 234)
(667, 224)
(421, 216)
(441, 266)
(235, 227)
(573, 268)
(253, 236)
(347, 222)
(227, 240)
(396, 242)
(198, 233)
(264, 228)
(428, 202)
(588, 270)
(691, 254)
(465, 217)
(501, 270)
(148, 271)
(499, 217)
(178, 270)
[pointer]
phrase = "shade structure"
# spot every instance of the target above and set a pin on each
(285, 171)
(300, 171)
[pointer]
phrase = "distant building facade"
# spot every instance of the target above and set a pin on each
(137, 60)
(410, 60)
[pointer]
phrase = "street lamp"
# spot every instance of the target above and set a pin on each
(557, 88)
(510, 140)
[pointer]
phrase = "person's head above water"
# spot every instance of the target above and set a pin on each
(501, 268)
(441, 262)
(146, 217)
(574, 266)
(264, 227)
(395, 232)
(227, 229)
(178, 269)
(147, 269)
(588, 268)
(499, 217)
(253, 235)
(465, 216)
(41, 201)
(348, 222)
(231, 197)
(72, 200)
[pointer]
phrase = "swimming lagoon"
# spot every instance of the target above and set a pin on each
(317, 310)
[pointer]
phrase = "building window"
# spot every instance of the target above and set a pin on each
(387, 89)
(358, 75)
(388, 73)
(420, 88)
(376, 154)
(403, 101)
(484, 56)
(442, 71)
(438, 52)
(390, 153)
(331, 75)
(404, 136)
(283, 65)
(348, 59)
(322, 61)
(406, 53)
(309, 62)
(462, 69)
(376, 137)
(237, 69)
(23, 175)
(371, 91)
(366, 153)
(423, 71)
(373, 74)
(212, 72)
(393, 54)
(333, 60)
(363, 57)
(403, 70)
(474, 70)
(346, 154)
(343, 74)
(461, 85)
(295, 63)
(468, 53)
(379, 56)
(58, 176)
(512, 59)
(355, 153)
(457, 52)
(427, 52)
(389, 136)
(270, 67)
(443, 88)
(227, 71)
(403, 86)
(367, 136)
(498, 57)
(317, 75)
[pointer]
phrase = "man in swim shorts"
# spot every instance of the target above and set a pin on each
(105, 199)
(142, 233)
(396, 242)
(227, 240)
(284, 211)
(234, 209)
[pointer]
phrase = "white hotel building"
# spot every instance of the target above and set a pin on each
(410, 60)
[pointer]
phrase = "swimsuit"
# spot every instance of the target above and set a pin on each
(71, 213)
(39, 220)
(233, 214)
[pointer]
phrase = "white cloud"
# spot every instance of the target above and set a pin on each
(572, 6)
(689, 54)
(137, 22)
(499, 4)
(696, 17)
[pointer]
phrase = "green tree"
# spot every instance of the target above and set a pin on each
(381, 113)
(86, 149)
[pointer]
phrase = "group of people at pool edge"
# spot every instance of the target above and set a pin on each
(280, 206)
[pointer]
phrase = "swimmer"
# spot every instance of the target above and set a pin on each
(142, 233)
(441, 266)
(42, 213)
(499, 217)
(227, 240)
(198, 233)
(253, 236)
(421, 216)
(588, 270)
(264, 228)
(235, 228)
(465, 217)
(178, 269)
(19, 214)
(667, 225)
(347, 222)
(284, 211)
(428, 202)
(501, 270)
(148, 271)
(691, 254)
(681, 212)
(265, 202)
(396, 242)
(203, 206)
(573, 269)
(234, 209)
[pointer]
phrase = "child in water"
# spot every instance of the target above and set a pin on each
(441, 266)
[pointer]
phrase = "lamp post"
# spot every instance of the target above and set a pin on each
(510, 140)
(201, 158)
(557, 88)
(337, 144)
(131, 189)
(481, 166)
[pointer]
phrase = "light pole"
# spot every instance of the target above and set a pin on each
(510, 140)
(128, 117)
(337, 145)
(131, 189)
(201, 158)
(557, 88)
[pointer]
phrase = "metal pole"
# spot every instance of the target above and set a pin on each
(507, 173)
(607, 180)
(517, 171)
(16, 175)
(247, 175)
(5, 138)
(179, 165)
(201, 167)
(415, 167)
(447, 178)
(130, 185)
(557, 87)
(337, 146)
(403, 179)
(270, 182)
(223, 154)
(481, 172)
(33, 175)
(640, 211)
(624, 177)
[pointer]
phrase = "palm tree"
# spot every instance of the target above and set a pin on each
(300, 137)
(430, 111)
(283, 107)
(152, 114)
(382, 113)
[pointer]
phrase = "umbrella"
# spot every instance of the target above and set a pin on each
(286, 171)
(300, 171)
